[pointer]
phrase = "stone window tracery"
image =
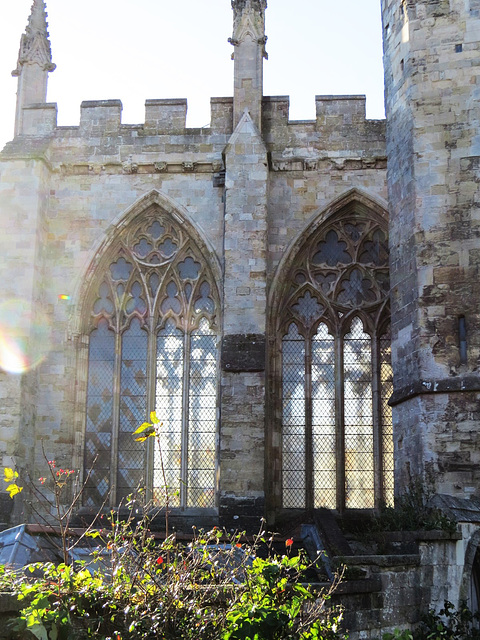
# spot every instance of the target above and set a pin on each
(153, 337)
(336, 377)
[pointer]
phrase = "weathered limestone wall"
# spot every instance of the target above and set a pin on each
(76, 184)
(242, 450)
(433, 114)
(25, 326)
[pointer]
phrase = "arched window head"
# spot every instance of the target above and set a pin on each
(153, 325)
(333, 322)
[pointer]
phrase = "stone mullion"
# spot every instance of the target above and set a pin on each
(115, 418)
(340, 423)
(309, 494)
(377, 422)
(185, 419)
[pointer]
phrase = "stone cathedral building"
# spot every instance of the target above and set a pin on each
(304, 319)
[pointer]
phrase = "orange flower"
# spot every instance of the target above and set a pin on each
(238, 545)
(288, 542)
(160, 560)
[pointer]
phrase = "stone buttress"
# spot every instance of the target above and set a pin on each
(432, 57)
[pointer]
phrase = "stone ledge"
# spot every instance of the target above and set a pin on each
(445, 385)
(9, 603)
(381, 560)
(420, 535)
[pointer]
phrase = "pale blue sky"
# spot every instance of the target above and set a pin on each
(179, 49)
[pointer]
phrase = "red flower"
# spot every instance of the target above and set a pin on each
(159, 560)
(238, 545)
(288, 542)
(42, 480)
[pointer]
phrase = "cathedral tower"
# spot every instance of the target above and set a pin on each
(249, 41)
(34, 63)
(432, 57)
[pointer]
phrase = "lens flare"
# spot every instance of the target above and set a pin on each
(24, 338)
(12, 356)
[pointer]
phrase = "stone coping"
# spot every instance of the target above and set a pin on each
(391, 560)
(418, 536)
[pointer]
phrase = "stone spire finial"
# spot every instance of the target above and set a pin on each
(35, 44)
(249, 41)
(257, 5)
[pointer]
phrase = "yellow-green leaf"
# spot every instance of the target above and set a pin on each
(143, 427)
(144, 437)
(153, 417)
(10, 474)
(13, 489)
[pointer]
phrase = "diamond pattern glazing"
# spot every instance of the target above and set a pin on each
(202, 417)
(155, 296)
(336, 292)
(98, 432)
(359, 468)
(133, 409)
(294, 469)
(169, 408)
(323, 418)
(386, 381)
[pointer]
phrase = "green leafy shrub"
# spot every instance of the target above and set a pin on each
(450, 624)
(215, 588)
(218, 587)
(412, 512)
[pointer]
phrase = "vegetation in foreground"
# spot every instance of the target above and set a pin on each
(217, 587)
(212, 588)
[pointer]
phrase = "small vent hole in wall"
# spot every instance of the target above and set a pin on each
(458, 48)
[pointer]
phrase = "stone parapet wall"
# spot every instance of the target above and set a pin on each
(340, 129)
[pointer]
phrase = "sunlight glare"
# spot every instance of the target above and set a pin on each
(16, 354)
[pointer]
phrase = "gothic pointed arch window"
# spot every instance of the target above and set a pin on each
(153, 341)
(334, 368)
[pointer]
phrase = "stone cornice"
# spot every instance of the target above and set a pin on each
(325, 163)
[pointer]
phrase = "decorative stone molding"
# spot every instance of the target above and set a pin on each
(325, 163)
(130, 167)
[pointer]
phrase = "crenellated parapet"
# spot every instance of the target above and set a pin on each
(339, 138)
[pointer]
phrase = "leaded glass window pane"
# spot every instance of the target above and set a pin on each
(323, 419)
(202, 417)
(168, 405)
(98, 434)
(386, 381)
(153, 326)
(294, 469)
(359, 468)
(133, 409)
(335, 387)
